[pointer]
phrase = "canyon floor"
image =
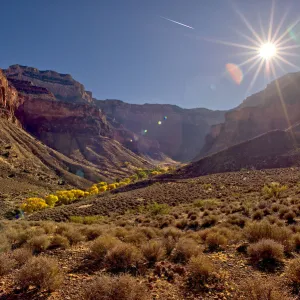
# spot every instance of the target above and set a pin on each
(223, 236)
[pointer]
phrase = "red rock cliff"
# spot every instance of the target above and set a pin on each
(276, 107)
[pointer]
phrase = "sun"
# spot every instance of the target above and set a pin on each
(267, 51)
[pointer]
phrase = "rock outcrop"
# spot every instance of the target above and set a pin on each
(180, 136)
(158, 130)
(78, 131)
(276, 107)
(62, 86)
(274, 149)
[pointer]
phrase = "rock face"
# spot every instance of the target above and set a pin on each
(62, 86)
(275, 149)
(180, 135)
(78, 131)
(276, 107)
(161, 129)
(23, 156)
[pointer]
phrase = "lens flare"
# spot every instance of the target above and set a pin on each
(264, 51)
(267, 51)
(235, 73)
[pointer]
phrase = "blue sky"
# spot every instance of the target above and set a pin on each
(123, 49)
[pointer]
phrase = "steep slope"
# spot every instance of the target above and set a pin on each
(275, 149)
(276, 107)
(28, 167)
(78, 129)
(179, 137)
(181, 132)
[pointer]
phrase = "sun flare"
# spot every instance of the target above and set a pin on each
(267, 51)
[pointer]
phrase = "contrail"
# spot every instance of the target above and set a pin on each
(177, 22)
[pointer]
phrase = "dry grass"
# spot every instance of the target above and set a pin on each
(200, 272)
(102, 245)
(266, 253)
(22, 255)
(123, 258)
(153, 251)
(39, 243)
(293, 272)
(6, 263)
(41, 272)
(184, 250)
(59, 241)
(259, 289)
(123, 287)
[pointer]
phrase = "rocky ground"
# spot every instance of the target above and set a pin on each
(223, 236)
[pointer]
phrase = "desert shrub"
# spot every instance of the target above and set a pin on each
(73, 235)
(123, 257)
(215, 241)
(282, 211)
(169, 243)
(194, 225)
(295, 242)
(237, 220)
(172, 232)
(184, 250)
(207, 186)
(289, 217)
(121, 232)
(124, 287)
(33, 204)
(39, 243)
(158, 209)
(51, 200)
(262, 205)
(275, 207)
(102, 189)
(272, 219)
(7, 264)
(274, 189)
(141, 174)
(67, 197)
(133, 178)
(192, 215)
(266, 253)
(40, 272)
(62, 227)
(258, 215)
(49, 227)
(102, 245)
(22, 255)
(293, 272)
(206, 203)
(135, 237)
(59, 241)
(149, 232)
(264, 230)
(209, 221)
(200, 272)
(18, 237)
(153, 251)
(181, 224)
(92, 232)
(5, 244)
(93, 190)
(258, 289)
